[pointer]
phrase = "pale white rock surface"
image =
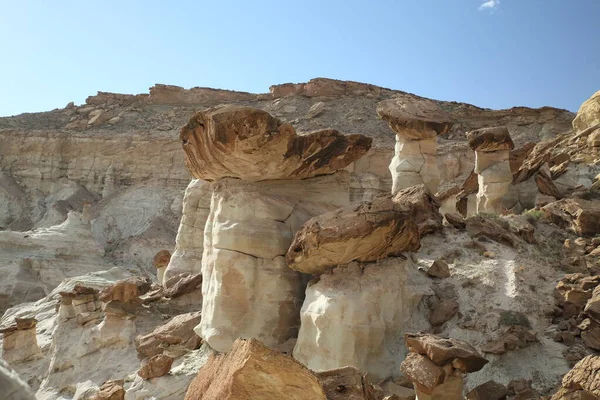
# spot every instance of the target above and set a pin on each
(247, 288)
(33, 263)
(12, 386)
(494, 178)
(189, 243)
(357, 315)
(414, 163)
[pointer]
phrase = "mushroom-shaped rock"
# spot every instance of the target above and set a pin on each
(353, 315)
(250, 144)
(253, 371)
(441, 351)
(436, 365)
(268, 182)
(19, 342)
(161, 261)
(370, 231)
(189, 243)
(417, 125)
(492, 148)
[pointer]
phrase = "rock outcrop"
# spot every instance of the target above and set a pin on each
(13, 387)
(492, 148)
(189, 244)
(588, 114)
(354, 314)
(416, 128)
(19, 341)
(253, 371)
(436, 366)
(384, 227)
(582, 382)
(248, 291)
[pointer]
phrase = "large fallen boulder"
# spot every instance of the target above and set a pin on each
(582, 382)
(384, 227)
(253, 371)
(582, 216)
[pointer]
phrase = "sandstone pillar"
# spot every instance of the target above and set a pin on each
(492, 148)
(416, 128)
(189, 244)
(267, 181)
(19, 342)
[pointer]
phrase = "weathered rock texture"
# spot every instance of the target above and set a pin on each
(588, 114)
(492, 148)
(189, 244)
(416, 127)
(354, 315)
(384, 227)
(19, 341)
(436, 366)
(250, 144)
(13, 387)
(256, 160)
(582, 382)
(253, 371)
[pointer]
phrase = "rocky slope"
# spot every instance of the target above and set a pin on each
(311, 226)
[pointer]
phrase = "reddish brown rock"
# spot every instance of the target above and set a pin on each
(111, 390)
(442, 351)
(439, 269)
(348, 383)
(479, 226)
(177, 332)
(183, 285)
(250, 144)
(423, 372)
(156, 366)
(419, 120)
(253, 371)
(583, 381)
(490, 139)
(582, 216)
(386, 226)
(127, 290)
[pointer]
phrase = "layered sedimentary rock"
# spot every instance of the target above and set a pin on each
(588, 114)
(253, 371)
(19, 341)
(265, 188)
(416, 127)
(353, 315)
(492, 148)
(436, 366)
(189, 244)
(384, 227)
(35, 262)
(249, 144)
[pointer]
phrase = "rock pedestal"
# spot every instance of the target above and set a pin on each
(19, 342)
(492, 148)
(267, 182)
(161, 261)
(416, 128)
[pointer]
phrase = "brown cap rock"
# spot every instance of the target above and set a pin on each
(415, 119)
(490, 139)
(162, 258)
(250, 144)
(441, 351)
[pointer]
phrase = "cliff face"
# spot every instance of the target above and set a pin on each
(117, 151)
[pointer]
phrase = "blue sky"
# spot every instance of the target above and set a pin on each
(506, 53)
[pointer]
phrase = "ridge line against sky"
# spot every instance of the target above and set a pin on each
(492, 54)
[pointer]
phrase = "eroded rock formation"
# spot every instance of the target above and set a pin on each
(492, 148)
(416, 127)
(253, 371)
(255, 159)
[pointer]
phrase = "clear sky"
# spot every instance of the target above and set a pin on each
(495, 54)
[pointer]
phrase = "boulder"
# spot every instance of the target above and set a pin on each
(370, 231)
(178, 332)
(156, 366)
(588, 114)
(348, 383)
(582, 216)
(490, 390)
(126, 291)
(253, 371)
(353, 316)
(441, 351)
(111, 390)
(249, 144)
(583, 380)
